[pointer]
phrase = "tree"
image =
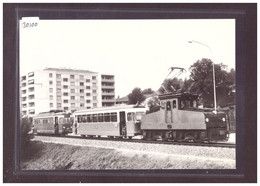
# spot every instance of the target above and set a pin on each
(136, 96)
(201, 82)
(148, 91)
(154, 104)
(171, 85)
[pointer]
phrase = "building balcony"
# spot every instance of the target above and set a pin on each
(108, 100)
(108, 94)
(108, 80)
(108, 87)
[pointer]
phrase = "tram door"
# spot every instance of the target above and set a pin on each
(168, 114)
(122, 123)
(56, 127)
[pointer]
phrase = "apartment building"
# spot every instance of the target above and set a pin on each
(65, 89)
(108, 90)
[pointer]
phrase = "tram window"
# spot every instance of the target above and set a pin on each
(139, 116)
(89, 118)
(182, 104)
(100, 117)
(187, 104)
(194, 104)
(174, 105)
(84, 118)
(79, 118)
(61, 121)
(107, 117)
(94, 117)
(71, 120)
(130, 116)
(114, 116)
(168, 105)
(45, 121)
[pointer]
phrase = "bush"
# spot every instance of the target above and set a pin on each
(25, 133)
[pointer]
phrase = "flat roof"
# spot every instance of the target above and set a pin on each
(68, 70)
(110, 108)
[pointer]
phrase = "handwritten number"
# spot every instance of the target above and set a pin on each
(27, 25)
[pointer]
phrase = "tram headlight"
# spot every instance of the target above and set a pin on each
(207, 119)
(223, 119)
(63, 127)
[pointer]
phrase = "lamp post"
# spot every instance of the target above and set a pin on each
(214, 79)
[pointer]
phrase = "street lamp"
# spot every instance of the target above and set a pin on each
(214, 83)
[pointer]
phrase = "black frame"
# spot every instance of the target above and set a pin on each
(246, 73)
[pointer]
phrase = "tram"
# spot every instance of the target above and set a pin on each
(55, 122)
(118, 121)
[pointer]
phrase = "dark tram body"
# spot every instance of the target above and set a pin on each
(179, 118)
(54, 122)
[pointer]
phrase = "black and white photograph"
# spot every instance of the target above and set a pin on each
(128, 93)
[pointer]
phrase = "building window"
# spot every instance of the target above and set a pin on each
(24, 106)
(51, 97)
(65, 79)
(94, 77)
(23, 98)
(58, 97)
(87, 80)
(50, 90)
(23, 84)
(31, 74)
(31, 89)
(65, 93)
(94, 97)
(65, 101)
(23, 78)
(72, 90)
(88, 94)
(72, 97)
(66, 108)
(81, 90)
(58, 83)
(58, 76)
(94, 105)
(94, 91)
(72, 105)
(94, 84)
(81, 104)
(81, 84)
(50, 75)
(88, 87)
(31, 111)
(72, 83)
(58, 90)
(72, 76)
(81, 98)
(51, 105)
(65, 86)
(50, 82)
(59, 105)
(23, 91)
(31, 104)
(81, 77)
(30, 82)
(31, 96)
(88, 101)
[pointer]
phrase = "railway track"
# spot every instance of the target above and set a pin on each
(205, 144)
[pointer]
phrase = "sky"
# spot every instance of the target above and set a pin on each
(138, 52)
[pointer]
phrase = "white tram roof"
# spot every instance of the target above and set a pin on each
(51, 113)
(111, 109)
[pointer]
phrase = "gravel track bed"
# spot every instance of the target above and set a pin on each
(217, 153)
